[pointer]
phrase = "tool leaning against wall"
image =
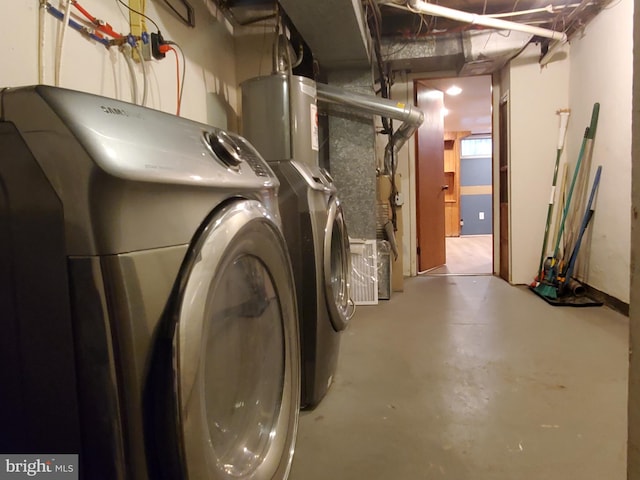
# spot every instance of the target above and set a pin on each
(554, 282)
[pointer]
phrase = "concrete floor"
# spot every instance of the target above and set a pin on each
(471, 378)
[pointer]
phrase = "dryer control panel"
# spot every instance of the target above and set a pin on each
(134, 142)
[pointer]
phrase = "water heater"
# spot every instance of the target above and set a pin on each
(280, 117)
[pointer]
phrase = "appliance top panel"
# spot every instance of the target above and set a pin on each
(138, 143)
(304, 84)
(316, 178)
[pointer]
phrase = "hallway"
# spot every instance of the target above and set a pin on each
(469, 378)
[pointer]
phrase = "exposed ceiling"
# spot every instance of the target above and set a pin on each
(562, 16)
(347, 33)
(393, 36)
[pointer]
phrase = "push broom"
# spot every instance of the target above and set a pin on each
(564, 119)
(548, 286)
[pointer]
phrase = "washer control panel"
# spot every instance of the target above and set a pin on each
(231, 151)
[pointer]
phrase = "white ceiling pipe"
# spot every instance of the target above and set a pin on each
(548, 9)
(421, 6)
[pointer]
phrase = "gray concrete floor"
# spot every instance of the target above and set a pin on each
(471, 378)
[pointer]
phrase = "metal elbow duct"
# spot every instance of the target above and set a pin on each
(410, 116)
(398, 139)
(420, 6)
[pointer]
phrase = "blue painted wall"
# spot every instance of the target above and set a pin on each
(475, 172)
(470, 208)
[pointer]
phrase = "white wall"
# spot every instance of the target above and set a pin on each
(210, 93)
(602, 71)
(535, 94)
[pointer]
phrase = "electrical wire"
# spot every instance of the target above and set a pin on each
(139, 13)
(184, 71)
(178, 87)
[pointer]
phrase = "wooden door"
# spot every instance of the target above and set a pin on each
(430, 181)
(504, 189)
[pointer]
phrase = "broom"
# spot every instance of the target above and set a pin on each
(565, 278)
(548, 286)
(564, 119)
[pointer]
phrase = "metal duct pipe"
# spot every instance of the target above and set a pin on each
(421, 6)
(411, 117)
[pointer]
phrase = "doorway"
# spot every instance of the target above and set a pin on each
(467, 179)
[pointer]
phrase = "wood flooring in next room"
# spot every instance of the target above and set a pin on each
(467, 255)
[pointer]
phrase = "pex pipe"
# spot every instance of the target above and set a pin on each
(420, 6)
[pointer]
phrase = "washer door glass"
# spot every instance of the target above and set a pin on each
(337, 266)
(236, 350)
(244, 354)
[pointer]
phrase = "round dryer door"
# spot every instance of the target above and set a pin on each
(337, 266)
(236, 350)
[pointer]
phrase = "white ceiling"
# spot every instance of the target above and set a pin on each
(469, 111)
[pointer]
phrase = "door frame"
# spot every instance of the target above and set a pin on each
(408, 92)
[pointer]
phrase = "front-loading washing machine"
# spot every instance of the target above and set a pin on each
(149, 319)
(280, 120)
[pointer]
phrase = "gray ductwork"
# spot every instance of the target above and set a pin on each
(410, 116)
(473, 52)
(335, 30)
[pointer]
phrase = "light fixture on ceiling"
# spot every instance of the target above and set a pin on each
(454, 90)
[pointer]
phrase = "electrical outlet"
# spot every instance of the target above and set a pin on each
(480, 215)
(156, 41)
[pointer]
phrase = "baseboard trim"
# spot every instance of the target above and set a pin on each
(611, 302)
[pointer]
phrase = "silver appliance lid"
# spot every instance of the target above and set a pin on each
(138, 143)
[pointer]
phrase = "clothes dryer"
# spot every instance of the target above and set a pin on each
(280, 119)
(318, 242)
(148, 306)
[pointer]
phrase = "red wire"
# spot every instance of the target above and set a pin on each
(177, 79)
